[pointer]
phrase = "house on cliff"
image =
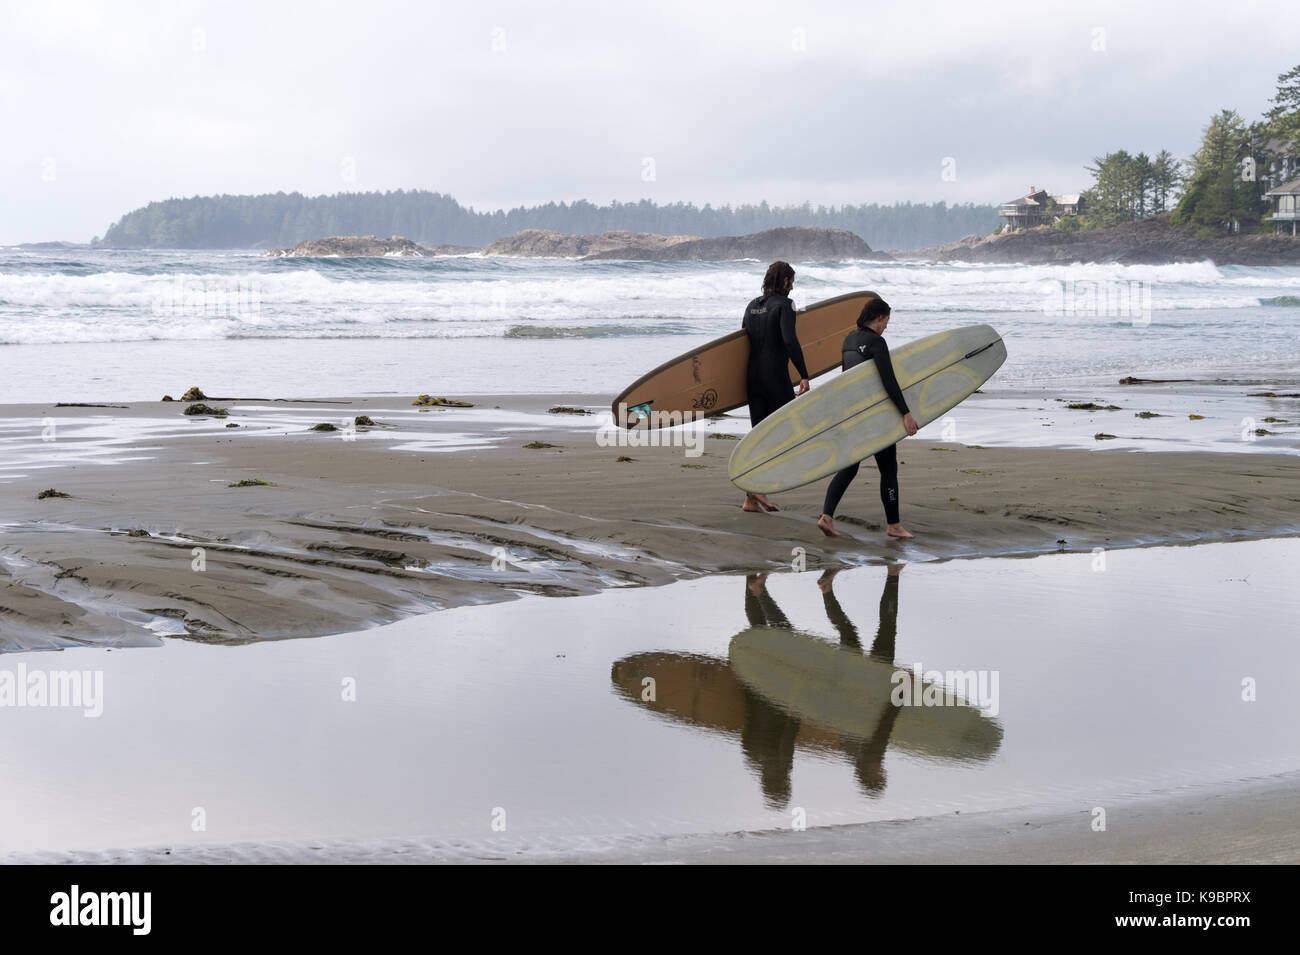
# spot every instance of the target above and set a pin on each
(1281, 162)
(1037, 208)
(1286, 207)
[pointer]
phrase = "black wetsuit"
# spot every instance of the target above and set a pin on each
(769, 322)
(863, 345)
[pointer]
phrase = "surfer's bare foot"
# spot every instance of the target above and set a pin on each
(767, 505)
(826, 524)
(757, 583)
(752, 505)
(898, 530)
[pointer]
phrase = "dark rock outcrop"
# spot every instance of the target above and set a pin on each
(1152, 241)
(56, 246)
(350, 245)
(792, 243)
(542, 242)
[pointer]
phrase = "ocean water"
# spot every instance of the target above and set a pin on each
(99, 325)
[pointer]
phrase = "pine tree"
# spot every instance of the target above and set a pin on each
(1166, 177)
(1222, 190)
(1284, 118)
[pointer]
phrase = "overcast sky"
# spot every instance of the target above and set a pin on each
(106, 106)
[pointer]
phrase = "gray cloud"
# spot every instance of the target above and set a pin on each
(106, 107)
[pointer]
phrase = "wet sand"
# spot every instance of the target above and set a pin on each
(351, 534)
(1251, 823)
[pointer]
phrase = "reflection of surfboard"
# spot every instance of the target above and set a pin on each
(698, 690)
(782, 666)
(851, 417)
(711, 379)
(841, 689)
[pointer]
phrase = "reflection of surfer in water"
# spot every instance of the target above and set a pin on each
(770, 732)
(869, 755)
(773, 347)
(781, 689)
(868, 344)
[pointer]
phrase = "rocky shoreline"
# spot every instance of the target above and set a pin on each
(543, 243)
(793, 243)
(366, 245)
(1153, 241)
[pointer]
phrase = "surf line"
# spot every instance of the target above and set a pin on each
(645, 428)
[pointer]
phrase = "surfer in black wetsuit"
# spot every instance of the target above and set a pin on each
(773, 345)
(868, 343)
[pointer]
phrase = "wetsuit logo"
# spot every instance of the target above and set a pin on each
(706, 399)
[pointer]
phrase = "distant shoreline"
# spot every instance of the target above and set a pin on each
(1152, 241)
(792, 243)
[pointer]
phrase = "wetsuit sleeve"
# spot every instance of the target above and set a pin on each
(792, 340)
(885, 366)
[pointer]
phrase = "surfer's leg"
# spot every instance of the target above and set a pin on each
(839, 484)
(759, 409)
(887, 462)
(834, 491)
(765, 398)
(760, 399)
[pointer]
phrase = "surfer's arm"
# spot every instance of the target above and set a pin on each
(885, 366)
(792, 340)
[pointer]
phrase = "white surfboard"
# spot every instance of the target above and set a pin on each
(851, 418)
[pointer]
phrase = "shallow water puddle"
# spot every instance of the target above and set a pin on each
(709, 705)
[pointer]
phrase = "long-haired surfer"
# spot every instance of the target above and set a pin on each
(868, 344)
(773, 346)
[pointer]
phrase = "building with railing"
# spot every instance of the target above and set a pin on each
(1286, 207)
(1281, 162)
(1037, 208)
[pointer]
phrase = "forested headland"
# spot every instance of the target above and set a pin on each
(430, 218)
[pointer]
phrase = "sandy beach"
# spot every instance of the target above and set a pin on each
(424, 544)
(354, 530)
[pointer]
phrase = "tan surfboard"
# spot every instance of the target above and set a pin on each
(711, 379)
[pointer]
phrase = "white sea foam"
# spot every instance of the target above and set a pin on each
(483, 299)
(602, 323)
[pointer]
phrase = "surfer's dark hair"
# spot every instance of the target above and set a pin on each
(778, 274)
(874, 308)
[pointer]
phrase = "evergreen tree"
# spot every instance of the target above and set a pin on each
(1284, 118)
(1166, 177)
(1223, 192)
